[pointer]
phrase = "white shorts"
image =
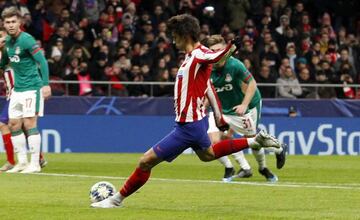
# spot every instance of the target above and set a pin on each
(26, 104)
(243, 125)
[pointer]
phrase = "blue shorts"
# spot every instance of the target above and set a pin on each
(4, 118)
(183, 136)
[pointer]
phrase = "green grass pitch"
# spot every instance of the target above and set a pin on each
(309, 187)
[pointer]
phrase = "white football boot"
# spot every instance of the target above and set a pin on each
(266, 140)
(7, 166)
(32, 168)
(17, 168)
(111, 202)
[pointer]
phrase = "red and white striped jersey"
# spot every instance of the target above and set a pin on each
(9, 81)
(192, 82)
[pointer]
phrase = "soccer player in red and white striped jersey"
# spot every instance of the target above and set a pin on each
(191, 122)
(4, 119)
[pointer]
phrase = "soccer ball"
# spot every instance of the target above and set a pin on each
(101, 190)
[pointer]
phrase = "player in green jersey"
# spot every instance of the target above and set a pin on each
(241, 106)
(31, 86)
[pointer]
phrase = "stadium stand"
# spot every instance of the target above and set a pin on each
(126, 41)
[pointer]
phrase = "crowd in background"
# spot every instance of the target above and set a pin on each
(284, 41)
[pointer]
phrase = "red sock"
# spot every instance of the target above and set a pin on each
(227, 147)
(137, 179)
(41, 156)
(9, 148)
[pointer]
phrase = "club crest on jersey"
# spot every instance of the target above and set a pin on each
(180, 74)
(228, 77)
(17, 50)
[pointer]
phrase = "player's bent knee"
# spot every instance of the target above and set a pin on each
(206, 157)
(2, 125)
(145, 165)
(147, 162)
(30, 123)
(14, 126)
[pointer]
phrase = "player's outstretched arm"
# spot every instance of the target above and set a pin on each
(218, 56)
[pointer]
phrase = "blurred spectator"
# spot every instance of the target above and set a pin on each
(301, 63)
(116, 74)
(341, 38)
(305, 50)
(328, 71)
(304, 26)
(345, 59)
(285, 62)
(304, 78)
(133, 33)
(79, 38)
(61, 33)
(291, 54)
(250, 30)
(186, 6)
(163, 90)
(79, 52)
(289, 85)
(159, 15)
(324, 92)
(236, 13)
(347, 91)
(249, 65)
(265, 77)
(145, 29)
(314, 66)
(271, 54)
(288, 38)
(78, 71)
(97, 72)
(284, 24)
(298, 13)
(331, 52)
(123, 60)
(247, 52)
(56, 63)
(137, 76)
(146, 73)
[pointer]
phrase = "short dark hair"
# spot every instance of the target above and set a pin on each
(10, 12)
(184, 25)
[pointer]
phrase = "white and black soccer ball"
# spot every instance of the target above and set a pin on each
(101, 190)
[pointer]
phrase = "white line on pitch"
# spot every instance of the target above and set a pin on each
(286, 184)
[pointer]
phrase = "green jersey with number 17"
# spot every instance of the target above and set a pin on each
(18, 53)
(227, 82)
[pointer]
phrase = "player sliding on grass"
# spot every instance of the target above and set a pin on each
(191, 125)
(241, 105)
(31, 86)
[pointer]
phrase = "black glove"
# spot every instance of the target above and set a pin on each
(222, 125)
(237, 42)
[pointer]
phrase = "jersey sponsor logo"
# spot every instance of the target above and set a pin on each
(14, 59)
(228, 77)
(17, 50)
(226, 87)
